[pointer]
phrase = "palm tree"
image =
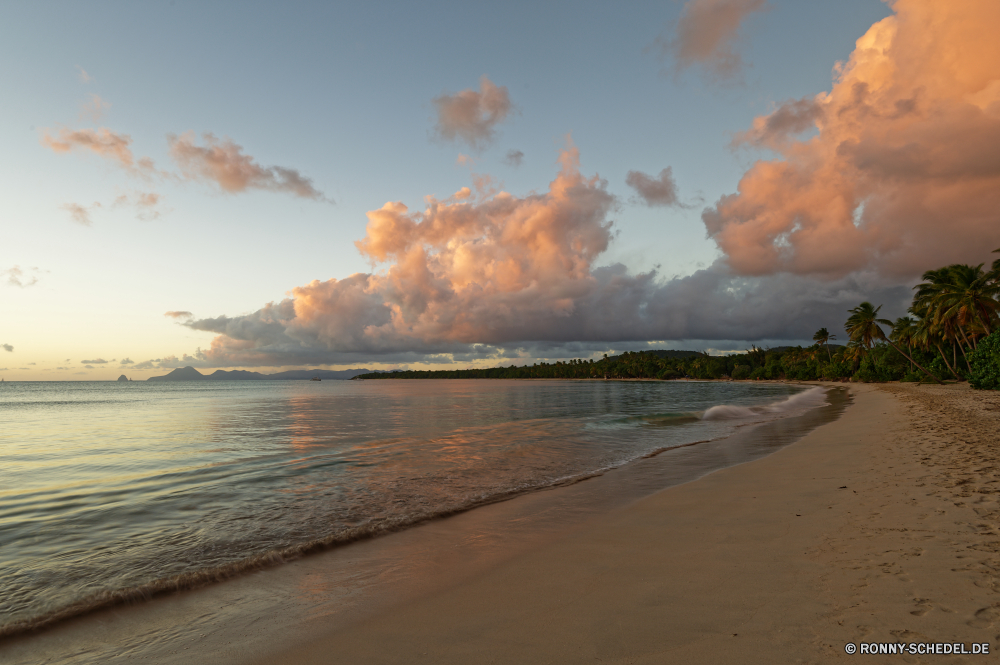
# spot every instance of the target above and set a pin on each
(970, 297)
(902, 333)
(926, 334)
(962, 300)
(863, 328)
(823, 336)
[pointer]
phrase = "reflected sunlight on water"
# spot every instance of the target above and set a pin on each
(107, 487)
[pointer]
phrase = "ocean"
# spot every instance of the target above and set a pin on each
(112, 491)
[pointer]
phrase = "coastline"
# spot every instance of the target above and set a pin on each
(880, 527)
(366, 577)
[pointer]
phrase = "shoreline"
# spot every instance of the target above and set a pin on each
(881, 526)
(573, 501)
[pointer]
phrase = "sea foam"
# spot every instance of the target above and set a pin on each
(799, 402)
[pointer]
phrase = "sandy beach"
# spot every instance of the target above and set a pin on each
(878, 527)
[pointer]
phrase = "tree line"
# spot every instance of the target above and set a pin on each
(951, 333)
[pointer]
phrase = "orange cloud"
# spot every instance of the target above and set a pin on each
(21, 277)
(704, 35)
(224, 163)
(471, 115)
(460, 272)
(485, 278)
(102, 142)
(178, 314)
(658, 191)
(94, 108)
(903, 171)
(144, 202)
(80, 214)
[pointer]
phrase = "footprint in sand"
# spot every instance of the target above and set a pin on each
(986, 617)
(923, 606)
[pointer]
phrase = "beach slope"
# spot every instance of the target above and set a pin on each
(878, 527)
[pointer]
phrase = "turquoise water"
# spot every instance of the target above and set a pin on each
(112, 490)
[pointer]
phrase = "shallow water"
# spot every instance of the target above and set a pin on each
(106, 487)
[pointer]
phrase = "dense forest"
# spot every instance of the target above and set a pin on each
(952, 333)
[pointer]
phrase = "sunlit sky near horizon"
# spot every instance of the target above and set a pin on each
(350, 97)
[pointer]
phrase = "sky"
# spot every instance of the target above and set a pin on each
(274, 186)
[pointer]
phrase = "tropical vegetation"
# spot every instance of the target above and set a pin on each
(951, 333)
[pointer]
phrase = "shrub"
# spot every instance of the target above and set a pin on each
(836, 370)
(985, 361)
(741, 372)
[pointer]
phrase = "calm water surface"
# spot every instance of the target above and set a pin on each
(106, 487)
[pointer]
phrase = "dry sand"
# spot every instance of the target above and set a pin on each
(878, 527)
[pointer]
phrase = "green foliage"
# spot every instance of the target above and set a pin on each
(741, 372)
(837, 370)
(985, 361)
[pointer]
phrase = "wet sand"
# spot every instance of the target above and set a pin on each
(881, 526)
(274, 610)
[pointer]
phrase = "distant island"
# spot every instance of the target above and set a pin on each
(191, 374)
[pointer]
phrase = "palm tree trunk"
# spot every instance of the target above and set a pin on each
(964, 355)
(912, 361)
(828, 351)
(945, 359)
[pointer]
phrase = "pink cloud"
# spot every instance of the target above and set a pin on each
(658, 191)
(102, 142)
(80, 214)
(224, 163)
(486, 278)
(903, 173)
(21, 277)
(472, 116)
(94, 108)
(705, 33)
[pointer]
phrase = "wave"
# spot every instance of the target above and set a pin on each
(799, 402)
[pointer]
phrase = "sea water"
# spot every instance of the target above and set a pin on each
(119, 490)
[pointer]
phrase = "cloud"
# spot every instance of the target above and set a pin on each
(105, 143)
(145, 364)
(778, 128)
(84, 76)
(472, 116)
(102, 142)
(179, 315)
(80, 214)
(21, 277)
(145, 204)
(658, 191)
(902, 173)
(99, 361)
(94, 108)
(514, 277)
(704, 36)
(514, 158)
(126, 361)
(7, 347)
(223, 163)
